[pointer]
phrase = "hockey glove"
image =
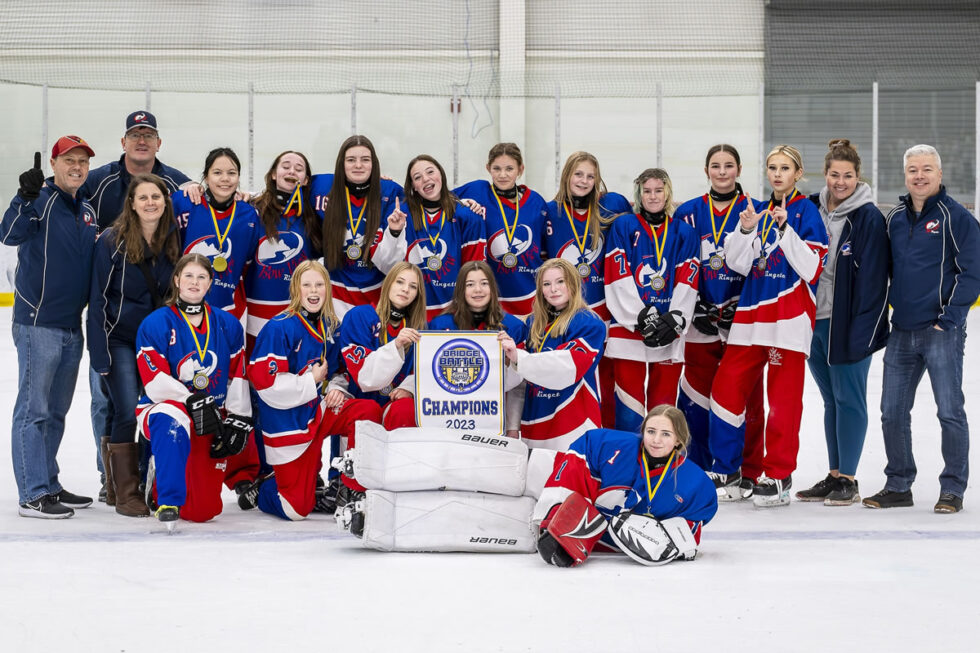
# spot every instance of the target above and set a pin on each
(647, 321)
(727, 316)
(231, 438)
(670, 327)
(651, 542)
(706, 318)
(32, 180)
(203, 411)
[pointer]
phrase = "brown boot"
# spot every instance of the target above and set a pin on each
(110, 492)
(125, 476)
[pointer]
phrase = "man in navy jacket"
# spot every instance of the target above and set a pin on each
(53, 227)
(935, 246)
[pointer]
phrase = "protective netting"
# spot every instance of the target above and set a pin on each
(822, 59)
(581, 48)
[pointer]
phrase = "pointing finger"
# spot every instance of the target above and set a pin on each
(37, 160)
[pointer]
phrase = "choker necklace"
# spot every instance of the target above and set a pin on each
(430, 204)
(656, 219)
(509, 194)
(395, 314)
(724, 197)
(581, 202)
(358, 190)
(220, 207)
(312, 317)
(190, 309)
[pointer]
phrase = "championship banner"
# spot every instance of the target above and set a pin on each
(459, 381)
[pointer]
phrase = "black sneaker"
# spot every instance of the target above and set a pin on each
(889, 499)
(770, 492)
(103, 492)
(47, 507)
(948, 503)
(819, 491)
(727, 485)
(66, 498)
(845, 494)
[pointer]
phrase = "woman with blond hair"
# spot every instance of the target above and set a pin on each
(558, 361)
(303, 397)
(652, 270)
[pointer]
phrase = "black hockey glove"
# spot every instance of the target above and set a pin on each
(669, 328)
(727, 316)
(552, 552)
(32, 180)
(647, 321)
(705, 318)
(203, 411)
(231, 438)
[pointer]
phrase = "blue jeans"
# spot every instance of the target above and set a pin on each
(101, 413)
(844, 389)
(47, 368)
(123, 385)
(908, 355)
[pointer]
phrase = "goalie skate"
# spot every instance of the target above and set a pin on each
(772, 492)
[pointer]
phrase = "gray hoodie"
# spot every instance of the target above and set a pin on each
(834, 221)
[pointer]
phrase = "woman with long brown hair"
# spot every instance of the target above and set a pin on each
(133, 263)
(363, 224)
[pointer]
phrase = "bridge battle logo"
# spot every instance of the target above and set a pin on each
(460, 366)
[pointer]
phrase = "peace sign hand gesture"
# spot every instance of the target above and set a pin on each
(749, 218)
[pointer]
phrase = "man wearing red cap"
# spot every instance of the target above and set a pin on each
(53, 227)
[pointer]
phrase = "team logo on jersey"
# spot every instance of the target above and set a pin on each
(88, 218)
(647, 276)
(190, 366)
(570, 253)
(275, 251)
(522, 242)
(421, 252)
(932, 227)
(205, 246)
(613, 499)
(460, 366)
(845, 249)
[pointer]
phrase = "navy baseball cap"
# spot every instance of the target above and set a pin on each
(140, 119)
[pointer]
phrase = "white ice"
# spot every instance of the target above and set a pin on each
(801, 578)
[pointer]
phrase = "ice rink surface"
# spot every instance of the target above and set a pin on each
(799, 578)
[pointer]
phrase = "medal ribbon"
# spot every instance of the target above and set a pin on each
(425, 223)
(384, 331)
(320, 334)
(546, 334)
(711, 209)
(217, 230)
(585, 235)
(659, 245)
(772, 221)
(646, 474)
(197, 343)
(350, 216)
(296, 199)
(508, 230)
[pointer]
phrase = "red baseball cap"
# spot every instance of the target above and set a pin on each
(70, 142)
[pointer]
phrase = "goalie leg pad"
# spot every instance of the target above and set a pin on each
(447, 521)
(575, 526)
(651, 542)
(415, 459)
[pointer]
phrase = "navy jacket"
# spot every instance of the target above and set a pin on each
(120, 297)
(935, 263)
(859, 315)
(106, 187)
(55, 236)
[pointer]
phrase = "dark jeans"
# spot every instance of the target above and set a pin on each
(123, 388)
(908, 355)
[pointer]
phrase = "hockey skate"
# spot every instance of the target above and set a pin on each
(344, 464)
(248, 491)
(325, 496)
(772, 492)
(731, 487)
(168, 516)
(151, 477)
(349, 514)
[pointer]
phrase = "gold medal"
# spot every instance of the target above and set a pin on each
(657, 282)
(509, 260)
(387, 390)
(200, 381)
(761, 264)
(434, 263)
(354, 252)
(584, 269)
(220, 264)
(716, 262)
